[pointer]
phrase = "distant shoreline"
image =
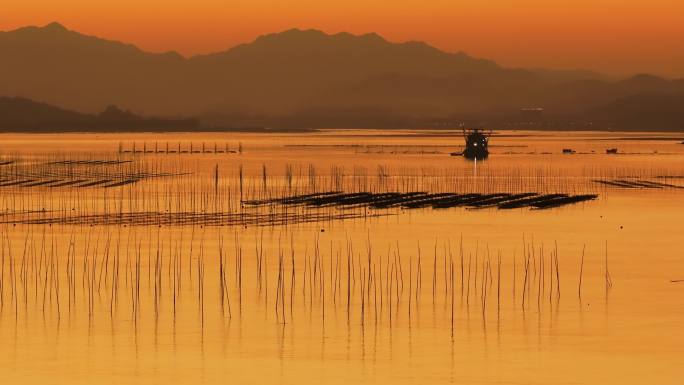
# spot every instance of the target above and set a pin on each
(159, 131)
(418, 132)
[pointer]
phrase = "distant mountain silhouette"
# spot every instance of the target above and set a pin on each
(644, 112)
(23, 115)
(297, 78)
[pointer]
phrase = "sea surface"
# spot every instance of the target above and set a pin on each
(587, 293)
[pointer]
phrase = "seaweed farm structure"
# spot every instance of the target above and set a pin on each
(415, 200)
(140, 274)
(158, 190)
(179, 148)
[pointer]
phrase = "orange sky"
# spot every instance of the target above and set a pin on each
(614, 36)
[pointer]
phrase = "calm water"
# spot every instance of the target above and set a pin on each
(411, 296)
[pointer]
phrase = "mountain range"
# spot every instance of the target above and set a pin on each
(308, 78)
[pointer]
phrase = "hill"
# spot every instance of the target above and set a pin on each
(23, 115)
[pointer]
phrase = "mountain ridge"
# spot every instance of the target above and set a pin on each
(287, 74)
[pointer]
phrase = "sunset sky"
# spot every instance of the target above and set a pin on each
(613, 36)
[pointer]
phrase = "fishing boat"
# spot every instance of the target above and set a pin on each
(476, 144)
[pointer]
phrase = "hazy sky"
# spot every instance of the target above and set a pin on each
(614, 36)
